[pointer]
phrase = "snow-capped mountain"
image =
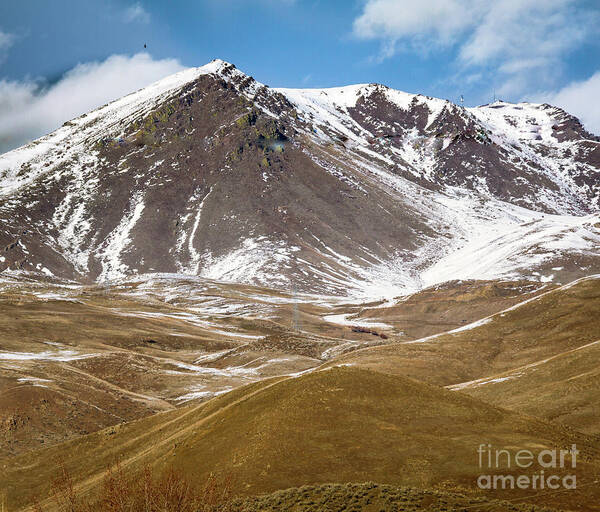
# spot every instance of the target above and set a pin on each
(358, 190)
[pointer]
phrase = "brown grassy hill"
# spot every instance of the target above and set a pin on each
(76, 359)
(562, 388)
(129, 347)
(339, 425)
(540, 358)
(548, 325)
(450, 305)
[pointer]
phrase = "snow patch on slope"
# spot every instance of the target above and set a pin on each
(118, 240)
(510, 250)
(256, 260)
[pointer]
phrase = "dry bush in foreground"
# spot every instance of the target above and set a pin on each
(141, 492)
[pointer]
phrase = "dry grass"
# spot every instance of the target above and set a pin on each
(340, 425)
(352, 425)
(553, 324)
(129, 378)
(450, 305)
(562, 389)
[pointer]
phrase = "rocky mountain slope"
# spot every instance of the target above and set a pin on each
(359, 190)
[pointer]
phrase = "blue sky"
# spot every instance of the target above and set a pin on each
(522, 49)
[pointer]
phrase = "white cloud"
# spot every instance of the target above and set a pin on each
(510, 27)
(28, 110)
(519, 40)
(439, 20)
(579, 99)
(136, 13)
(6, 41)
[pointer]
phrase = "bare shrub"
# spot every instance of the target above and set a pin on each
(142, 491)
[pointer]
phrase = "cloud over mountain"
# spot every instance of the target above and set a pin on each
(580, 98)
(30, 109)
(519, 42)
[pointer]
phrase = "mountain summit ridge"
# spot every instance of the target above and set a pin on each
(355, 190)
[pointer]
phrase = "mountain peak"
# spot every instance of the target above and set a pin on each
(217, 66)
(349, 190)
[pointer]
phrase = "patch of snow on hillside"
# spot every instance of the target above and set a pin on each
(257, 260)
(345, 319)
(201, 393)
(510, 250)
(195, 256)
(59, 355)
(472, 325)
(117, 241)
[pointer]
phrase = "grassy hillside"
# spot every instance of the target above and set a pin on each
(76, 359)
(546, 326)
(563, 388)
(451, 305)
(339, 425)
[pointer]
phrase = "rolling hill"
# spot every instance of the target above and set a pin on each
(337, 425)
(539, 357)
(75, 359)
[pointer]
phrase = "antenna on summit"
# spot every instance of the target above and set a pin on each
(462, 100)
